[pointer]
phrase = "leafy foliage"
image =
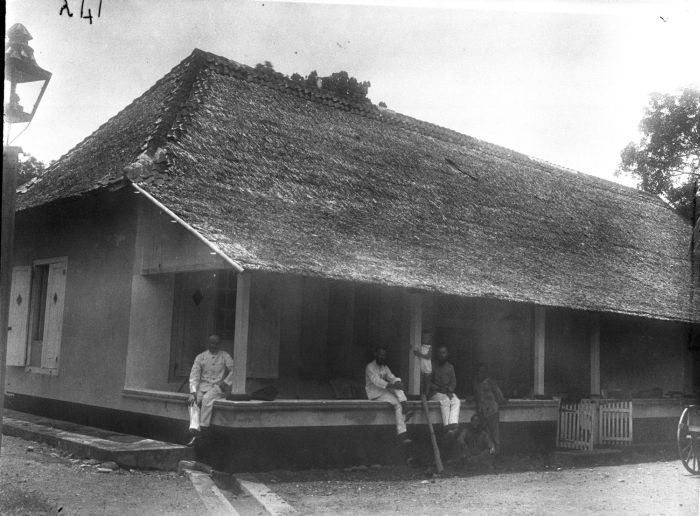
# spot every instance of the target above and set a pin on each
(267, 69)
(29, 168)
(667, 158)
(345, 86)
(339, 83)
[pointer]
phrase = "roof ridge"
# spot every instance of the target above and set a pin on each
(190, 81)
(176, 69)
(233, 68)
(151, 165)
(229, 67)
(176, 102)
(452, 136)
(609, 183)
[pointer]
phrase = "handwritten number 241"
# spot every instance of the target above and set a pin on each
(66, 8)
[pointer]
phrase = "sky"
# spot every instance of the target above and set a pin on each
(566, 81)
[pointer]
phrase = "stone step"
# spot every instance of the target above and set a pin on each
(128, 451)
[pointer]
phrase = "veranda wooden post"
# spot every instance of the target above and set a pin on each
(538, 387)
(240, 338)
(595, 354)
(416, 327)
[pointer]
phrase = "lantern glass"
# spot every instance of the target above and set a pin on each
(27, 81)
(19, 101)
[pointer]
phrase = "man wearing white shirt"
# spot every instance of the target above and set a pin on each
(211, 377)
(382, 385)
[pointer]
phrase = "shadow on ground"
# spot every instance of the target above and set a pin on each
(422, 467)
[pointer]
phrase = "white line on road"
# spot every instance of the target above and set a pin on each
(215, 502)
(272, 502)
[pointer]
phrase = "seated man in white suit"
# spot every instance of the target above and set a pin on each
(382, 385)
(210, 379)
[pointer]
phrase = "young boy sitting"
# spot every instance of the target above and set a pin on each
(475, 445)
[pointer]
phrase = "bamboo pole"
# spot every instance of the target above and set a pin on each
(433, 441)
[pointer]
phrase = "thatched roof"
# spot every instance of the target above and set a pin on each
(292, 180)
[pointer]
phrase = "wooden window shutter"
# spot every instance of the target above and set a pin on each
(53, 322)
(19, 316)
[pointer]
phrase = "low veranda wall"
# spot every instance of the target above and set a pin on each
(290, 434)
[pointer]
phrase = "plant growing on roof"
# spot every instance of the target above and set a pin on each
(345, 86)
(266, 68)
(666, 160)
(339, 83)
(311, 80)
(29, 168)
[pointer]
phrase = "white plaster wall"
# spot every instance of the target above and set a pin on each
(96, 234)
(148, 355)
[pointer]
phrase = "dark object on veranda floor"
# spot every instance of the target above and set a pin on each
(268, 393)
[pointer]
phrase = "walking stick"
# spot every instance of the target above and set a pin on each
(433, 441)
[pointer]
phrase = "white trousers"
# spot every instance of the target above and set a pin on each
(395, 398)
(449, 408)
(202, 417)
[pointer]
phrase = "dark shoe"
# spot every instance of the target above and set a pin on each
(195, 437)
(451, 430)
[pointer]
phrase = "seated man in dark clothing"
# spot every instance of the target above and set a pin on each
(443, 383)
(488, 400)
(476, 447)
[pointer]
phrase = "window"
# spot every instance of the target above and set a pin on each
(36, 314)
(205, 302)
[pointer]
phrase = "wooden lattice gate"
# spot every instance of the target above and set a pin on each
(576, 425)
(582, 425)
(615, 419)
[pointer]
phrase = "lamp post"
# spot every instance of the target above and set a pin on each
(21, 69)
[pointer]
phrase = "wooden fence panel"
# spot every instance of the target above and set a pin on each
(615, 421)
(575, 428)
(591, 422)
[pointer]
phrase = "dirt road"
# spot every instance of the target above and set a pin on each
(655, 488)
(36, 479)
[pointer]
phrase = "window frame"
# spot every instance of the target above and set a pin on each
(52, 371)
(181, 298)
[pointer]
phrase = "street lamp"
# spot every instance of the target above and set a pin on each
(20, 69)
